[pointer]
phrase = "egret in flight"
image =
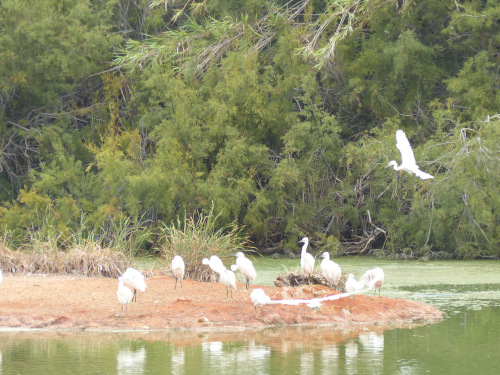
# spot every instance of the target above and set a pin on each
(178, 268)
(306, 259)
(124, 295)
(246, 268)
(134, 279)
(408, 162)
(331, 270)
(259, 299)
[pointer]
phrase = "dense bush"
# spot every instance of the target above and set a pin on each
(282, 114)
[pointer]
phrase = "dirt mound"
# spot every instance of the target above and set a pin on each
(59, 302)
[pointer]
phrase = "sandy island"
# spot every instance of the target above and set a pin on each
(65, 302)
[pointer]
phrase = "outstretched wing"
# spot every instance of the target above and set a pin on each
(423, 175)
(407, 157)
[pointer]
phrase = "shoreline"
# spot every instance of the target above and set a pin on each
(57, 303)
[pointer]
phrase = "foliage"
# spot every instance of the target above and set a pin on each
(282, 114)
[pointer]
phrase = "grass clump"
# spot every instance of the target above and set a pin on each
(45, 257)
(196, 237)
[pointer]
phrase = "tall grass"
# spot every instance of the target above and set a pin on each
(76, 261)
(196, 237)
(106, 251)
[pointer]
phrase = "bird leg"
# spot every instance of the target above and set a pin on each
(134, 299)
(175, 286)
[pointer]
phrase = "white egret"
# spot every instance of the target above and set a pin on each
(331, 270)
(246, 268)
(259, 299)
(351, 286)
(373, 278)
(226, 277)
(315, 303)
(408, 163)
(124, 295)
(135, 280)
(178, 268)
(306, 259)
(214, 263)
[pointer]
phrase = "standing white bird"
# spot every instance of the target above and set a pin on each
(135, 280)
(226, 277)
(351, 286)
(331, 270)
(178, 268)
(373, 278)
(124, 295)
(408, 162)
(259, 299)
(306, 259)
(246, 268)
(214, 263)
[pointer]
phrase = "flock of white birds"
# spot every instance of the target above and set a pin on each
(372, 278)
(332, 272)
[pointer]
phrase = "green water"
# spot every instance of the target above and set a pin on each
(466, 341)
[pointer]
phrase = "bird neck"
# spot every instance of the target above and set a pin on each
(395, 165)
(304, 246)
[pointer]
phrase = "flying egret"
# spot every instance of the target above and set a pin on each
(408, 162)
(124, 295)
(259, 299)
(178, 268)
(306, 259)
(331, 270)
(246, 268)
(313, 303)
(351, 286)
(135, 280)
(373, 278)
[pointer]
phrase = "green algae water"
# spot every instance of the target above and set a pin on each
(466, 341)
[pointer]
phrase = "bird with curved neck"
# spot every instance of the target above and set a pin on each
(408, 163)
(306, 259)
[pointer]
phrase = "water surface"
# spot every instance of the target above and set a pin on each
(466, 341)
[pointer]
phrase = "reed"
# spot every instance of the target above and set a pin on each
(196, 237)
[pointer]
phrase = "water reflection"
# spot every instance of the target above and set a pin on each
(466, 341)
(359, 349)
(178, 363)
(131, 361)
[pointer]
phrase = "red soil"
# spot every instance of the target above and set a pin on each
(63, 302)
